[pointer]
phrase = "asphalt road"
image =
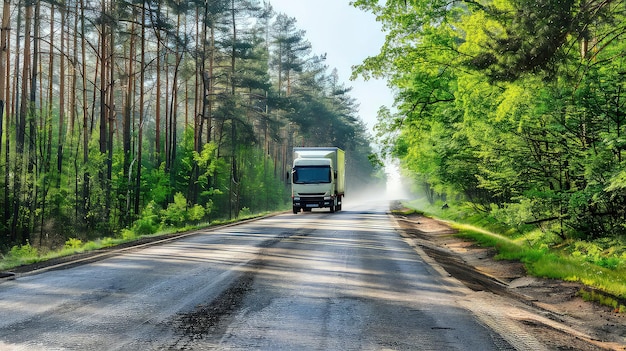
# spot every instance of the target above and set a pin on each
(312, 281)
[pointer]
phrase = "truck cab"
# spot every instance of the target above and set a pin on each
(317, 179)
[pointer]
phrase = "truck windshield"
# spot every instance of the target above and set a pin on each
(311, 174)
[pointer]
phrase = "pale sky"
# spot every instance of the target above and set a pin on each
(347, 35)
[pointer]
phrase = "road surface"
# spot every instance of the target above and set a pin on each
(312, 281)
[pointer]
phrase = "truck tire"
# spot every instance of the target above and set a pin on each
(332, 206)
(296, 210)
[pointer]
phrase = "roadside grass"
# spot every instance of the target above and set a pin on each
(599, 265)
(22, 255)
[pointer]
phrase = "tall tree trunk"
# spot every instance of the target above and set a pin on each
(4, 32)
(19, 134)
(185, 82)
(86, 130)
(4, 116)
(61, 131)
(157, 111)
(48, 175)
(127, 124)
(103, 56)
(199, 80)
(173, 111)
(192, 192)
(20, 225)
(141, 110)
(209, 87)
(106, 64)
(110, 102)
(74, 75)
(50, 110)
(233, 168)
(168, 120)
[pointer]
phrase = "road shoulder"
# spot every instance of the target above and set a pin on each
(580, 325)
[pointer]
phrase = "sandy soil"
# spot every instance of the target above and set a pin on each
(597, 327)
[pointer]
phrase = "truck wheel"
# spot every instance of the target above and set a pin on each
(296, 210)
(332, 206)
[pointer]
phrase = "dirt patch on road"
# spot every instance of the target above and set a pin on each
(599, 327)
(205, 319)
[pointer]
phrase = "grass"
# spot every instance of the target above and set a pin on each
(601, 266)
(27, 254)
(407, 211)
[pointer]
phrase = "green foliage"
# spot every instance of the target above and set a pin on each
(176, 212)
(600, 264)
(244, 213)
(24, 251)
(507, 249)
(407, 211)
(605, 253)
(206, 161)
(158, 183)
(94, 245)
(494, 106)
(20, 255)
(555, 265)
(149, 221)
(73, 243)
(602, 298)
(128, 235)
(261, 190)
(196, 213)
(145, 226)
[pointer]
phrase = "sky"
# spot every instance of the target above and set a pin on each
(347, 35)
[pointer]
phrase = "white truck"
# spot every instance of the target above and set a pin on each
(317, 178)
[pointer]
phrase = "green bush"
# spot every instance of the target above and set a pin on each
(145, 226)
(245, 212)
(128, 234)
(604, 253)
(73, 243)
(23, 251)
(149, 221)
(176, 212)
(20, 255)
(196, 213)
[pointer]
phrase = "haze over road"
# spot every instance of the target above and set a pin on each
(312, 281)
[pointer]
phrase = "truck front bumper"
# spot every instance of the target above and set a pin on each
(312, 202)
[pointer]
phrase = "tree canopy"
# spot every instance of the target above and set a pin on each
(517, 106)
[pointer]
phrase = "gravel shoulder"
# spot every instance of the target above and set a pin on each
(586, 325)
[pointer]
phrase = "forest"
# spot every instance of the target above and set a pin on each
(513, 107)
(133, 115)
